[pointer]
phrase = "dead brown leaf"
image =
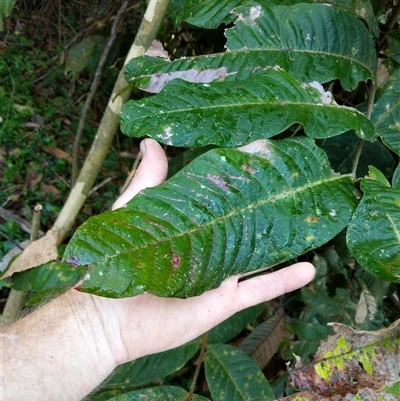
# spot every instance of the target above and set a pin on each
(38, 252)
(352, 362)
(263, 342)
(58, 153)
(50, 189)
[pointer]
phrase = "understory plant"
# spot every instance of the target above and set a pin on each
(293, 138)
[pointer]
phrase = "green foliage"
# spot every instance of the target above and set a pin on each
(296, 85)
(166, 230)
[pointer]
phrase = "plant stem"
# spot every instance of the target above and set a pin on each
(109, 124)
(93, 89)
(370, 106)
(198, 365)
(148, 29)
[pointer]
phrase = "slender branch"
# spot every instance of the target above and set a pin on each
(131, 173)
(198, 366)
(93, 89)
(35, 233)
(370, 106)
(109, 124)
(147, 32)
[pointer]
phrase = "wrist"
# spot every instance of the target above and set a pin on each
(60, 351)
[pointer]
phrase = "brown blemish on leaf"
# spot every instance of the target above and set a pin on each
(248, 169)
(218, 181)
(312, 219)
(176, 261)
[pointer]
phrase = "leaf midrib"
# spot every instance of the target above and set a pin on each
(270, 199)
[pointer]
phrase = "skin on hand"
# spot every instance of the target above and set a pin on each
(136, 323)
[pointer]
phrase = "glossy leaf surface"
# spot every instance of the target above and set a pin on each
(386, 113)
(310, 41)
(47, 277)
(211, 13)
(228, 212)
(232, 375)
(373, 235)
(235, 113)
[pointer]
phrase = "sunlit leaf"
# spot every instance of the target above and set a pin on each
(232, 375)
(235, 113)
(263, 204)
(310, 41)
(373, 235)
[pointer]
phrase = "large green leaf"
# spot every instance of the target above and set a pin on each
(149, 368)
(232, 375)
(386, 113)
(235, 113)
(313, 42)
(226, 213)
(211, 13)
(373, 235)
(158, 393)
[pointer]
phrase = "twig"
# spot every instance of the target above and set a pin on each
(104, 182)
(198, 366)
(131, 173)
(370, 106)
(93, 89)
(37, 211)
(25, 225)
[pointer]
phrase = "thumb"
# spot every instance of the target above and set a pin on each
(152, 171)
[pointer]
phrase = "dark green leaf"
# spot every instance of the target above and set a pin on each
(386, 113)
(232, 375)
(159, 393)
(310, 41)
(48, 277)
(253, 209)
(373, 234)
(231, 327)
(149, 368)
(396, 178)
(207, 13)
(309, 336)
(327, 307)
(235, 113)
(211, 13)
(341, 151)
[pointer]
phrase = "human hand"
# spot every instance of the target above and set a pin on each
(146, 324)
